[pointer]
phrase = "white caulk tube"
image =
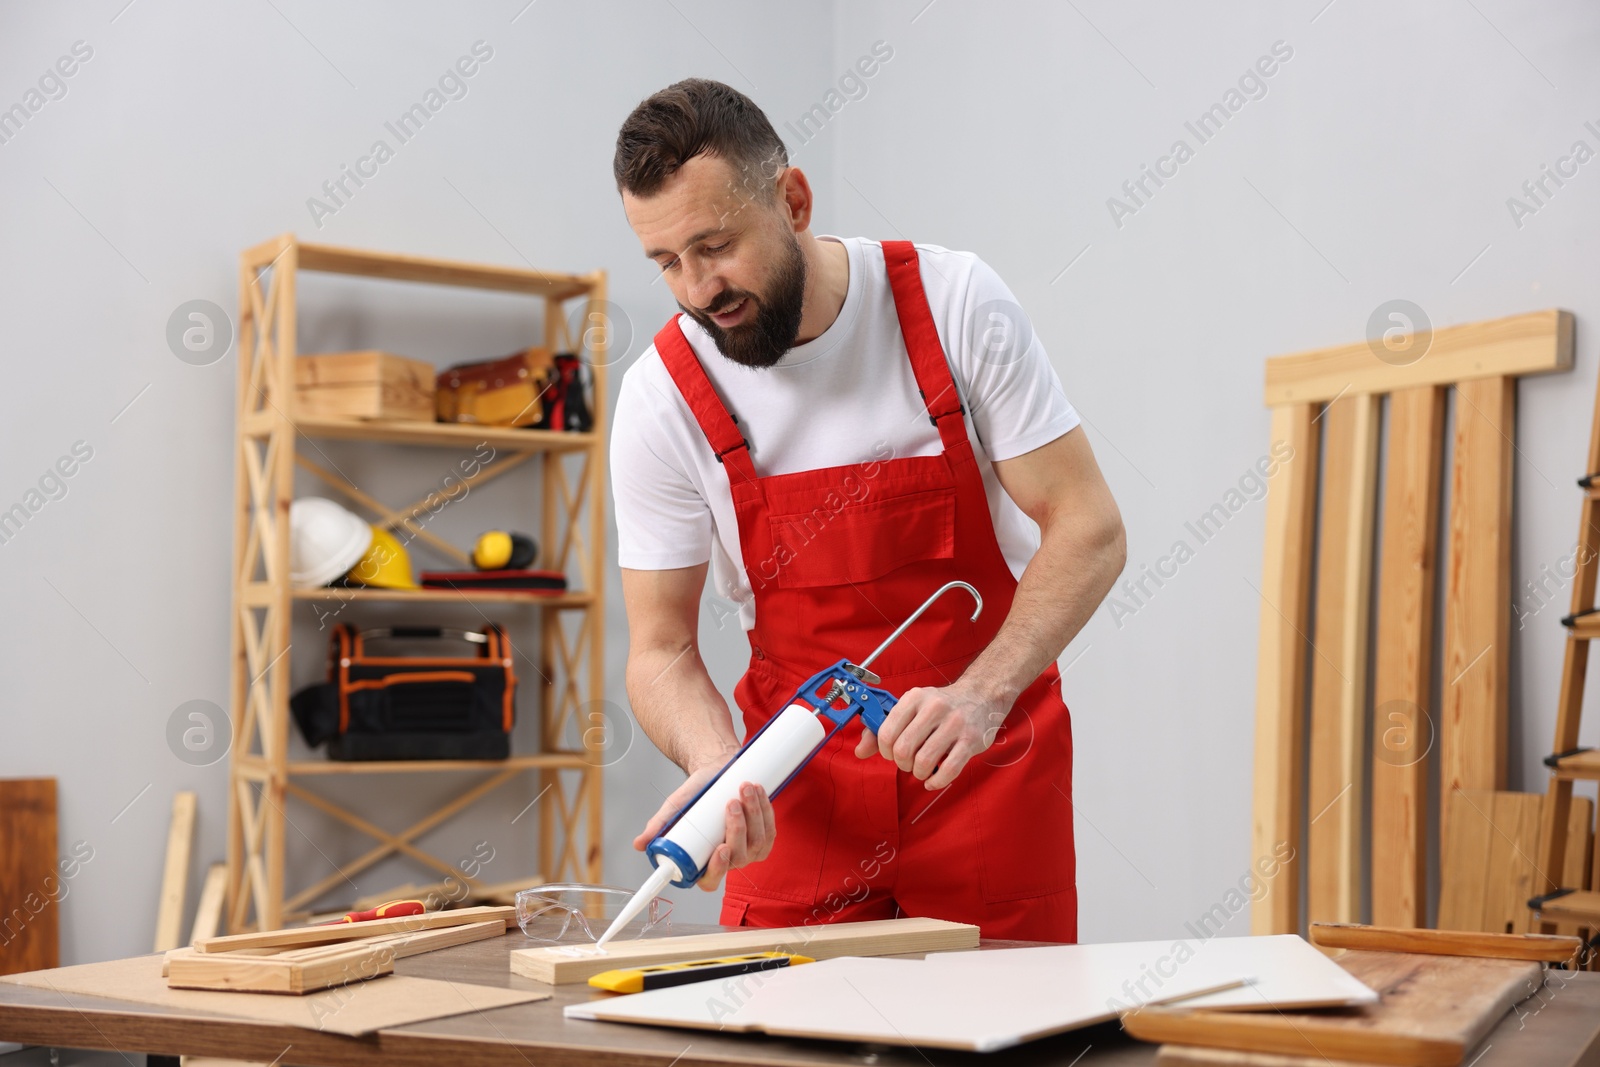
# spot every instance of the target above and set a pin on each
(681, 852)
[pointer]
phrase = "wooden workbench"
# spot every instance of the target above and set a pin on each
(1561, 1029)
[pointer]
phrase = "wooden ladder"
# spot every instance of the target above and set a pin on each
(1557, 904)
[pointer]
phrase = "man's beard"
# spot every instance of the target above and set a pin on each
(763, 340)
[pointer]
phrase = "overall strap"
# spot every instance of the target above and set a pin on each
(928, 363)
(731, 449)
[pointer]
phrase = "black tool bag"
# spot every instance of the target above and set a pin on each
(412, 707)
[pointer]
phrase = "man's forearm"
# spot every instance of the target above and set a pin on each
(1062, 585)
(678, 707)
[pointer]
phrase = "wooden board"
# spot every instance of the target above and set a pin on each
(1477, 623)
(30, 884)
(321, 935)
(896, 1002)
(1194, 1056)
(1488, 858)
(563, 964)
(1434, 1009)
(1535, 343)
(1537, 947)
(1279, 802)
(175, 875)
(208, 913)
(1402, 730)
(306, 970)
(1337, 779)
(386, 1002)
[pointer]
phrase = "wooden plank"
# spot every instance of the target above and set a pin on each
(1577, 870)
(598, 342)
(1433, 1010)
(1194, 1056)
(1518, 917)
(175, 875)
(1337, 779)
(1547, 948)
(564, 964)
(30, 884)
(321, 935)
(1403, 733)
(1474, 825)
(1477, 623)
(1464, 860)
(307, 970)
(1278, 803)
(1534, 343)
(208, 913)
(436, 271)
(1574, 868)
(1507, 880)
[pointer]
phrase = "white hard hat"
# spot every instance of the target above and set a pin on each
(325, 540)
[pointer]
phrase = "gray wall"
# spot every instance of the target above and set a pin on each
(1376, 166)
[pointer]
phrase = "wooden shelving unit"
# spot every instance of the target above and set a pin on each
(262, 777)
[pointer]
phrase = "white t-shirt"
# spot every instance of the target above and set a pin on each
(836, 400)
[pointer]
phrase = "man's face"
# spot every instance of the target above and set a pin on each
(725, 247)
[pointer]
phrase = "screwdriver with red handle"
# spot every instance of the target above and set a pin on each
(394, 909)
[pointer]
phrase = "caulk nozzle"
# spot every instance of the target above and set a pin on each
(664, 874)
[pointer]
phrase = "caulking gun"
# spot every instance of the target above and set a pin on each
(770, 758)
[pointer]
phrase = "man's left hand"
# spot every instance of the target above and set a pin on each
(933, 732)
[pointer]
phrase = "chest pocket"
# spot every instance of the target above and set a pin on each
(844, 540)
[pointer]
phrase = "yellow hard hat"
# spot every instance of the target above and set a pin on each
(385, 564)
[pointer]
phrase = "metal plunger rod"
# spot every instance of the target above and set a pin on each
(915, 615)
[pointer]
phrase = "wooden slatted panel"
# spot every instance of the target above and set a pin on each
(31, 887)
(1403, 732)
(1339, 666)
(1477, 623)
(1280, 671)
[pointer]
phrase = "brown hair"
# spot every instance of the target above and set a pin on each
(695, 117)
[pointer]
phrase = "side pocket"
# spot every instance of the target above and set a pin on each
(733, 910)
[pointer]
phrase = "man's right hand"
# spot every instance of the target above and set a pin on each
(751, 828)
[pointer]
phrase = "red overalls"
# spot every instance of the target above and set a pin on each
(836, 559)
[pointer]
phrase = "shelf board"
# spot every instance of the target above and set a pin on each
(442, 434)
(1580, 766)
(403, 268)
(1585, 629)
(542, 760)
(1582, 906)
(445, 596)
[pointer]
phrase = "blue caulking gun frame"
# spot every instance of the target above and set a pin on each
(853, 684)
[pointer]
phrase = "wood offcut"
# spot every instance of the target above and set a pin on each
(564, 964)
